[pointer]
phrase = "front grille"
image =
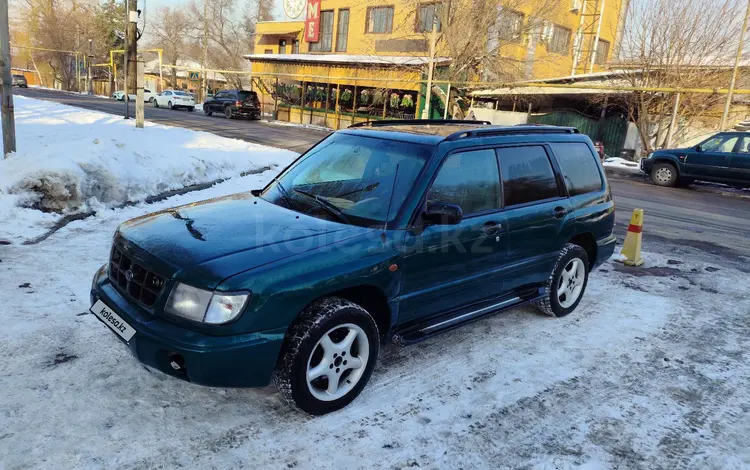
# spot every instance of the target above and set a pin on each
(133, 279)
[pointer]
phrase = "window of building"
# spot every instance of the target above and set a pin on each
(469, 180)
(579, 167)
(379, 20)
(268, 51)
(426, 15)
(559, 40)
(326, 33)
(342, 32)
(602, 51)
(509, 25)
(295, 46)
(527, 175)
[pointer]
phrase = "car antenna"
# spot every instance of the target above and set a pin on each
(390, 202)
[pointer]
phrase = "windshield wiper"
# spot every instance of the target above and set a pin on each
(284, 194)
(329, 207)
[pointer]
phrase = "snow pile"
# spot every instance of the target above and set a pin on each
(621, 165)
(72, 160)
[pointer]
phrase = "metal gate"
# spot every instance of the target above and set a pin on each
(610, 130)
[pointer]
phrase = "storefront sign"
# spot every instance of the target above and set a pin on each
(312, 21)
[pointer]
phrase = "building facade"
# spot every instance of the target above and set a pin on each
(385, 46)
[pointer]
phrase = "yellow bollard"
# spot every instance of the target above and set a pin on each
(631, 249)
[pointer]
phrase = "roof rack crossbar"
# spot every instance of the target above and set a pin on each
(418, 122)
(514, 130)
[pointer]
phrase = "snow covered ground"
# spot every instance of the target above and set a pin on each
(651, 372)
(71, 160)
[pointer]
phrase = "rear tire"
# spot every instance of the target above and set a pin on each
(567, 283)
(191, 108)
(333, 339)
(664, 174)
(228, 112)
(169, 105)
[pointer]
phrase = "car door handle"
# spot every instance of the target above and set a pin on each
(560, 212)
(491, 228)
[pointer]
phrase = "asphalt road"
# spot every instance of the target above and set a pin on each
(293, 138)
(717, 223)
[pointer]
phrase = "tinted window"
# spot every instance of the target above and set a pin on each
(720, 143)
(579, 167)
(527, 175)
(469, 180)
(246, 95)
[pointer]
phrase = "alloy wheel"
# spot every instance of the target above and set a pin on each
(337, 362)
(570, 285)
(663, 175)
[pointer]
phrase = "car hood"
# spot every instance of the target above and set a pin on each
(205, 242)
(670, 151)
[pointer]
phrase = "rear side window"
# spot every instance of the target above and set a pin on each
(469, 180)
(245, 95)
(527, 175)
(579, 167)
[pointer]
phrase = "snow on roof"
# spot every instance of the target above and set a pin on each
(346, 59)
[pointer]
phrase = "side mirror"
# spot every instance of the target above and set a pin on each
(698, 148)
(442, 214)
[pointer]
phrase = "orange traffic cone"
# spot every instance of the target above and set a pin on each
(631, 249)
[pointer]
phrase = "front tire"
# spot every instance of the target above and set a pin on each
(328, 356)
(664, 174)
(207, 111)
(567, 283)
(156, 104)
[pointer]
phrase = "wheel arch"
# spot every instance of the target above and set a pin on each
(587, 241)
(669, 160)
(367, 296)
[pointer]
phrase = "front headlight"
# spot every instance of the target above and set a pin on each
(205, 306)
(649, 155)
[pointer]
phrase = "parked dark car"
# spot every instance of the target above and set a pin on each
(723, 158)
(233, 103)
(386, 232)
(20, 81)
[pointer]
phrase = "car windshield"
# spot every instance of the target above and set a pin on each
(350, 178)
(18, 76)
(181, 93)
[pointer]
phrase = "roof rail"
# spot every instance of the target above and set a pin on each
(419, 122)
(512, 130)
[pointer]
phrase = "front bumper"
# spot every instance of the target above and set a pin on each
(646, 165)
(246, 360)
(604, 249)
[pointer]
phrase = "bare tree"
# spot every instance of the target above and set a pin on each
(172, 32)
(230, 31)
(56, 27)
(676, 44)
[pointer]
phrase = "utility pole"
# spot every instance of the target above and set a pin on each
(732, 82)
(205, 50)
(78, 66)
(9, 124)
(431, 68)
(90, 87)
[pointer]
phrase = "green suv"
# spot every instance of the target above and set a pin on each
(385, 232)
